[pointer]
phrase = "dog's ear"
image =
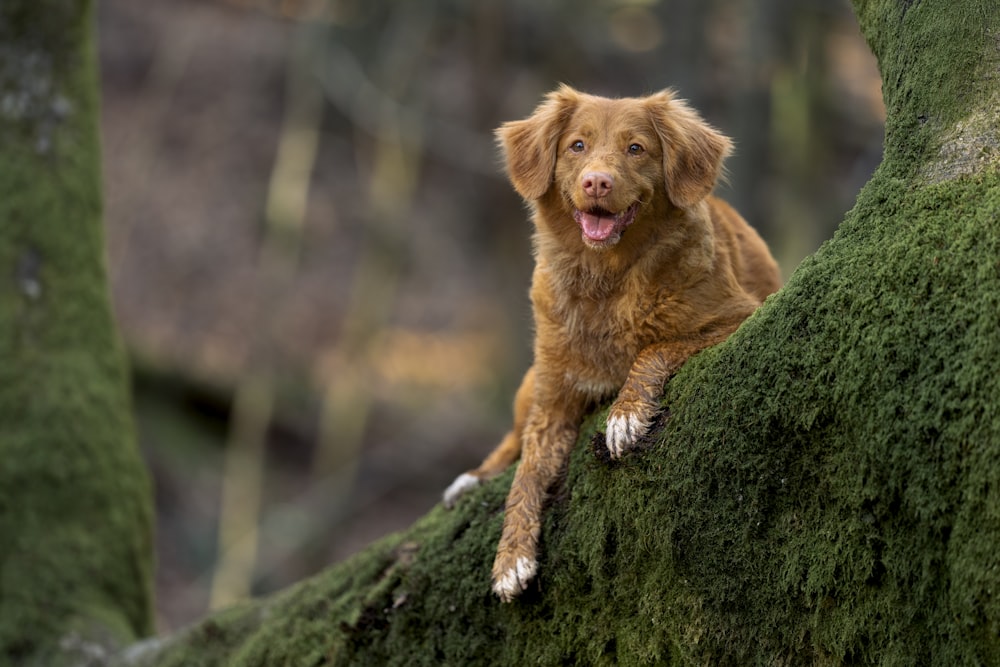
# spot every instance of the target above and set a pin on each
(530, 146)
(693, 151)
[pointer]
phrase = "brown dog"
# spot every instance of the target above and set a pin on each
(637, 268)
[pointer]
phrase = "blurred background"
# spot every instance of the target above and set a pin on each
(320, 272)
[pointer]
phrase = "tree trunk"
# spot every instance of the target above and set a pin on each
(75, 548)
(825, 490)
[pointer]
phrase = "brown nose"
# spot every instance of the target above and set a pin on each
(597, 183)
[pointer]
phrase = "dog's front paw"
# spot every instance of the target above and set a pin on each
(625, 429)
(456, 489)
(511, 576)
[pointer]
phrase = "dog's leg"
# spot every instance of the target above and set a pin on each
(506, 452)
(638, 400)
(549, 436)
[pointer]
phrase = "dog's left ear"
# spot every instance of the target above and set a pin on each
(693, 151)
(529, 146)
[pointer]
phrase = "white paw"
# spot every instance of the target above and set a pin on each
(624, 430)
(462, 483)
(512, 582)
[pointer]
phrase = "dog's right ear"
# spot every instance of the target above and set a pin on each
(530, 146)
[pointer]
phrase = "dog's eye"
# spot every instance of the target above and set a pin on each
(577, 146)
(636, 149)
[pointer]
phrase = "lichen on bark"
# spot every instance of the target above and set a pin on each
(971, 145)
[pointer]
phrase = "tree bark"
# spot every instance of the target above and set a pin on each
(825, 489)
(75, 510)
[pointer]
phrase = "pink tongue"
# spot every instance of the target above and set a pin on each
(597, 228)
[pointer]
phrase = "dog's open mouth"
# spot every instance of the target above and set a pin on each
(602, 227)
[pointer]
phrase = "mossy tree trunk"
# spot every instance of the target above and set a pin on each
(75, 548)
(825, 490)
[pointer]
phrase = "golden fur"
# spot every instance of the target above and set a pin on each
(637, 268)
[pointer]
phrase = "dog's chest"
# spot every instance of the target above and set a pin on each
(601, 333)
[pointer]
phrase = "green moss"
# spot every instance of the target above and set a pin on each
(74, 500)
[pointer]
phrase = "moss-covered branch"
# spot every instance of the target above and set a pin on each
(74, 501)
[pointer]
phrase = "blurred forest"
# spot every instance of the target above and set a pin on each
(320, 271)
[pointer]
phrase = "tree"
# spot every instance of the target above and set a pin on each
(824, 490)
(75, 556)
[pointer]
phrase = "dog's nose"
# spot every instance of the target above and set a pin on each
(597, 183)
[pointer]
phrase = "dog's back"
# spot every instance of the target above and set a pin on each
(752, 262)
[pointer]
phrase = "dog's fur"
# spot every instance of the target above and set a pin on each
(637, 268)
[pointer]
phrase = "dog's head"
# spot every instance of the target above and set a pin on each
(610, 158)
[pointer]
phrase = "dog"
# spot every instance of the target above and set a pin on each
(637, 267)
